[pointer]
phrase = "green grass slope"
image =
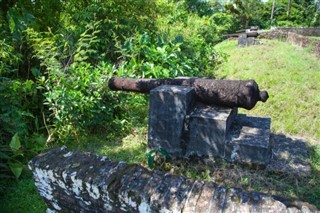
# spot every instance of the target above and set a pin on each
(290, 74)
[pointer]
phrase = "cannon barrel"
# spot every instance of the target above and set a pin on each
(228, 93)
(249, 34)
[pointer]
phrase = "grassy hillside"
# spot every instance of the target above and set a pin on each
(290, 74)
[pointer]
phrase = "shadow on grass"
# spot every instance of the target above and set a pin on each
(131, 147)
(289, 155)
(296, 185)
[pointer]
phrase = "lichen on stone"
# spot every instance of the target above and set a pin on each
(120, 187)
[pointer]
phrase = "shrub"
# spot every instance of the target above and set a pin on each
(54, 64)
(145, 56)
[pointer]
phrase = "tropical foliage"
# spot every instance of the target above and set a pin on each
(56, 57)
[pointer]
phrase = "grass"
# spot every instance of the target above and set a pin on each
(130, 144)
(290, 74)
(21, 196)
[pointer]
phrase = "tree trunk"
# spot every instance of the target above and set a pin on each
(316, 14)
(289, 7)
(272, 11)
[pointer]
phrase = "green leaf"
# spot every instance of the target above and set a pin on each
(16, 169)
(4, 176)
(35, 72)
(15, 142)
(164, 152)
(151, 152)
(41, 140)
(151, 161)
(4, 166)
(4, 156)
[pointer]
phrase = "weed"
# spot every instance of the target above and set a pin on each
(157, 157)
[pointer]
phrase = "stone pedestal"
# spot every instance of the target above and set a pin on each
(244, 41)
(208, 127)
(184, 128)
(249, 140)
(169, 106)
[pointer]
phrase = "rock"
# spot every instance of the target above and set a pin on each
(206, 198)
(193, 197)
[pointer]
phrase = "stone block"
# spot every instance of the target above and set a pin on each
(262, 203)
(219, 199)
(120, 187)
(242, 40)
(248, 140)
(208, 127)
(164, 197)
(171, 201)
(169, 106)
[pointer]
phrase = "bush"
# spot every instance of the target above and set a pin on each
(55, 64)
(144, 56)
(21, 136)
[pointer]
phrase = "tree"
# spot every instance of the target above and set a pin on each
(289, 7)
(316, 18)
(204, 7)
(272, 11)
(247, 11)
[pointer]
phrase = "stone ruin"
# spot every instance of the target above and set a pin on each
(296, 36)
(83, 182)
(187, 117)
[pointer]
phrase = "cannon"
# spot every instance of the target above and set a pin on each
(249, 32)
(253, 34)
(227, 93)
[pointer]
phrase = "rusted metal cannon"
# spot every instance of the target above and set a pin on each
(253, 34)
(250, 29)
(249, 32)
(228, 93)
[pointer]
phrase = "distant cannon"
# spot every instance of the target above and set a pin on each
(250, 32)
(253, 34)
(227, 93)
